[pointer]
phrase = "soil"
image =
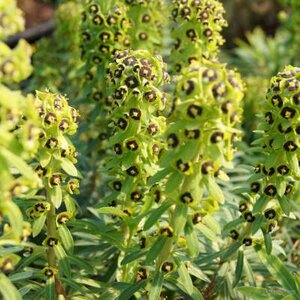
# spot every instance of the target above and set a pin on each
(35, 11)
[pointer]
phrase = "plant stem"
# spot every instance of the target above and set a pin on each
(51, 232)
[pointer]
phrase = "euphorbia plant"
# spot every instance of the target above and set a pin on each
(271, 188)
(155, 232)
(108, 27)
(55, 166)
(19, 142)
(272, 185)
(134, 78)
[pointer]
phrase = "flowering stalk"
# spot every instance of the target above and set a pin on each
(199, 135)
(108, 24)
(55, 166)
(271, 187)
(134, 78)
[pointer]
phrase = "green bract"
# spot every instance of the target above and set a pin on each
(196, 31)
(147, 24)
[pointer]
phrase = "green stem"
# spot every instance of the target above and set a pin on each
(167, 249)
(51, 232)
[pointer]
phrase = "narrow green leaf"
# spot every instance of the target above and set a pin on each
(155, 250)
(79, 262)
(7, 289)
(256, 225)
(239, 268)
(197, 272)
(279, 271)
(249, 272)
(133, 288)
(155, 215)
(184, 277)
(173, 182)
(62, 260)
(214, 190)
(18, 163)
(112, 210)
(38, 224)
(20, 276)
(156, 286)
(268, 242)
(66, 238)
(50, 289)
(232, 224)
(285, 205)
(231, 250)
(191, 240)
(44, 158)
(159, 176)
(179, 218)
(260, 204)
(196, 295)
(206, 231)
(15, 217)
(255, 293)
(212, 224)
(132, 256)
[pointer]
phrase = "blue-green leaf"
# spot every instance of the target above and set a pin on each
(8, 290)
(156, 286)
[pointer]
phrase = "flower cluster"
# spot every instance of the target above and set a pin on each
(104, 31)
(11, 19)
(203, 125)
(15, 64)
(57, 155)
(196, 31)
(271, 186)
(134, 79)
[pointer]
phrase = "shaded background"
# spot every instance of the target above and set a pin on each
(242, 15)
